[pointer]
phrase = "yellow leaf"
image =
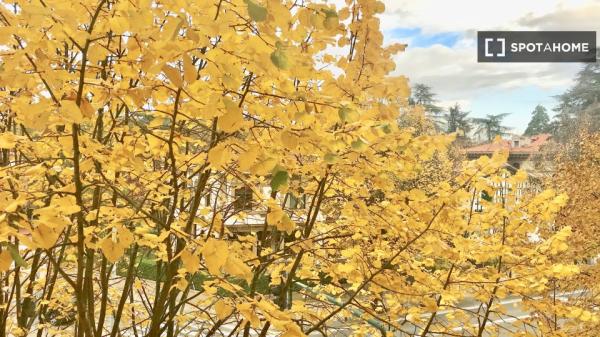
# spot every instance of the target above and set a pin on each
(124, 236)
(417, 195)
(264, 167)
(66, 205)
(5, 260)
(191, 34)
(66, 144)
(289, 139)
(45, 236)
(173, 75)
(156, 122)
(331, 20)
(293, 330)
(278, 218)
(223, 309)
(172, 28)
(70, 111)
(181, 284)
(190, 261)
(248, 158)
(215, 254)
(236, 267)
(189, 70)
(346, 268)
(15, 204)
(347, 114)
(219, 156)
(247, 310)
(148, 60)
(34, 116)
(275, 214)
(232, 120)
(285, 224)
(111, 249)
(35, 170)
(7, 140)
(586, 316)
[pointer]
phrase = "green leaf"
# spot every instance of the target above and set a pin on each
(387, 128)
(257, 12)
(358, 144)
(279, 59)
(14, 253)
(332, 20)
(280, 178)
(347, 114)
(330, 158)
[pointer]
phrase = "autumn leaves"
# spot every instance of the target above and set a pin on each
(187, 112)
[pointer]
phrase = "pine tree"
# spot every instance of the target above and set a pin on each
(491, 126)
(422, 95)
(540, 122)
(457, 121)
(579, 107)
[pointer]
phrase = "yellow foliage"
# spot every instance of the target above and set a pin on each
(256, 157)
(111, 249)
(223, 309)
(190, 261)
(5, 260)
(215, 254)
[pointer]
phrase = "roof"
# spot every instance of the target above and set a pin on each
(533, 146)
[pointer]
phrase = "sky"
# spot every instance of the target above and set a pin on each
(441, 52)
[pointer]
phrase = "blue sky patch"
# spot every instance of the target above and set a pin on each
(419, 39)
(519, 102)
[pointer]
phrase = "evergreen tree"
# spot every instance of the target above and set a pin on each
(456, 120)
(422, 95)
(540, 122)
(586, 90)
(491, 126)
(579, 107)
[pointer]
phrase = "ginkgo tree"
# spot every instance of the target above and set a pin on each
(576, 173)
(248, 154)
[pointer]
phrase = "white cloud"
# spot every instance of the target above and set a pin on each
(586, 17)
(465, 104)
(460, 15)
(455, 73)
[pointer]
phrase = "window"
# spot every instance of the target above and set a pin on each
(516, 143)
(477, 207)
(478, 201)
(243, 199)
(485, 196)
(294, 202)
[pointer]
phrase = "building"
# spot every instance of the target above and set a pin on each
(523, 151)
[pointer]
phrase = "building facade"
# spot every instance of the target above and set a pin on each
(523, 152)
